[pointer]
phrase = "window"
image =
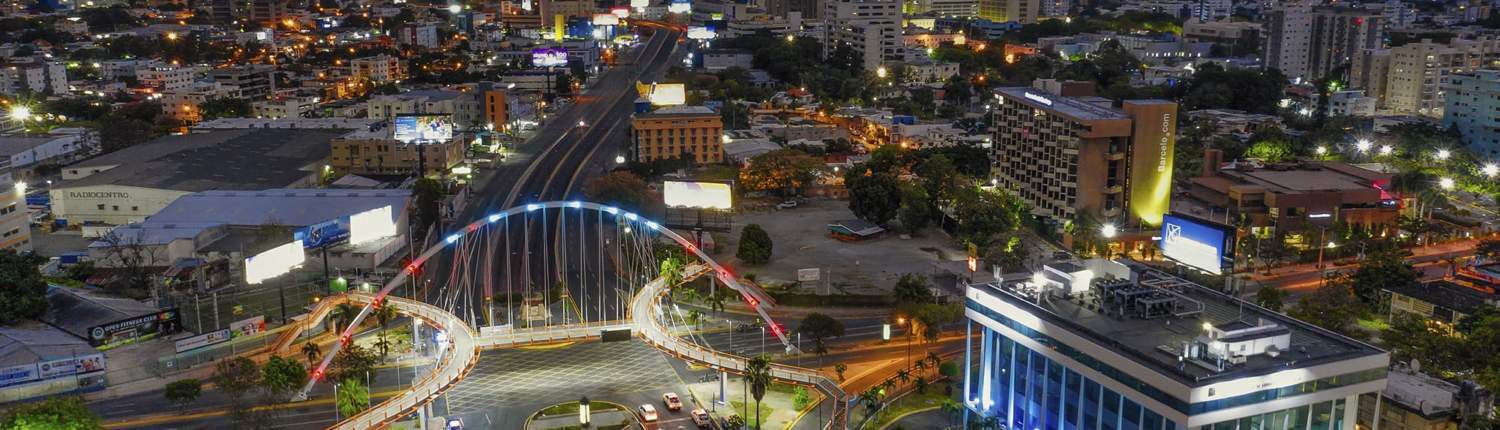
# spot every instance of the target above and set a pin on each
(101, 207)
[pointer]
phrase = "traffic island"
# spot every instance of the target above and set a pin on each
(565, 416)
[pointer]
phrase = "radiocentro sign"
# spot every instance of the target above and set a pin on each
(1200, 244)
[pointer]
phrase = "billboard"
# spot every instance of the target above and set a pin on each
(18, 374)
(164, 322)
(1152, 146)
(274, 262)
(701, 195)
(371, 225)
(326, 233)
(203, 340)
(663, 94)
(700, 33)
(603, 19)
(248, 326)
(1197, 243)
(680, 7)
(71, 366)
(423, 128)
(549, 57)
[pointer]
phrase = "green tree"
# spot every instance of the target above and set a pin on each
(874, 198)
(312, 352)
(428, 194)
(383, 316)
(619, 188)
(912, 288)
(916, 208)
(56, 413)
(1412, 337)
(24, 295)
(819, 327)
(800, 398)
(343, 315)
(671, 271)
(758, 373)
(1270, 297)
(1007, 252)
(216, 108)
(353, 362)
(183, 391)
(1383, 268)
(1332, 307)
(755, 245)
(839, 369)
(280, 376)
(985, 215)
(353, 397)
(236, 375)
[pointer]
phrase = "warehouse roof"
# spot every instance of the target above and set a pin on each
(76, 310)
(32, 342)
(220, 159)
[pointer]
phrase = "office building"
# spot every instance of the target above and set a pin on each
(692, 132)
(1419, 71)
(185, 104)
(1289, 38)
(1066, 154)
(1472, 105)
(1018, 11)
(1298, 198)
(870, 27)
(375, 151)
(1339, 36)
(1101, 344)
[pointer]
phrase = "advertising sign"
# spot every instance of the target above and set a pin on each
(249, 326)
(1152, 152)
(809, 275)
(164, 322)
(680, 7)
(701, 195)
(603, 19)
(274, 262)
(203, 340)
(371, 225)
(423, 128)
(1201, 244)
(325, 233)
(663, 94)
(549, 57)
(18, 374)
(71, 366)
(700, 33)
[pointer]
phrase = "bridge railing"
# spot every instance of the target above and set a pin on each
(521, 336)
(461, 353)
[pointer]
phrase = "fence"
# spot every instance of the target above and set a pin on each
(206, 312)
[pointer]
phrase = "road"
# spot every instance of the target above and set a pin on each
(1430, 261)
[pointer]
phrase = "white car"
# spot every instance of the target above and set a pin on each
(673, 403)
(648, 413)
(787, 204)
(455, 424)
(700, 418)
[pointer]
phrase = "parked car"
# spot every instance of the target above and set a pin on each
(701, 419)
(455, 424)
(789, 204)
(673, 403)
(648, 413)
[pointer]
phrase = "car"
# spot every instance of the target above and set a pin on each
(455, 424)
(700, 417)
(648, 413)
(673, 403)
(787, 204)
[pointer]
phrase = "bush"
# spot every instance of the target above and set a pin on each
(949, 369)
(800, 398)
(755, 245)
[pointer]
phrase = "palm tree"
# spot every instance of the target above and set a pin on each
(921, 366)
(384, 315)
(903, 375)
(871, 399)
(758, 373)
(921, 384)
(715, 300)
(344, 314)
(937, 361)
(312, 352)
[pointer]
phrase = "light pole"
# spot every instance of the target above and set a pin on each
(906, 326)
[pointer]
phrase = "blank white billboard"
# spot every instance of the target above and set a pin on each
(372, 224)
(274, 262)
(702, 195)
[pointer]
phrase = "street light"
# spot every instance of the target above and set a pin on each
(1490, 169)
(20, 113)
(619, 159)
(1443, 154)
(1109, 230)
(1386, 149)
(1363, 145)
(1446, 183)
(1322, 150)
(881, 72)
(455, 8)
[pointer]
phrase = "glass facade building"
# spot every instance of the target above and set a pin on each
(1030, 368)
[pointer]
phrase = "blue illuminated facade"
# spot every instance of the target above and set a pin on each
(1021, 375)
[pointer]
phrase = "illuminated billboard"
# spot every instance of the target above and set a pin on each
(620, 12)
(640, 4)
(1197, 243)
(603, 19)
(274, 262)
(322, 234)
(549, 57)
(680, 7)
(663, 94)
(701, 195)
(423, 128)
(1152, 144)
(371, 225)
(700, 33)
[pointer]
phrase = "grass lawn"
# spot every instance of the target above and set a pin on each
(739, 408)
(911, 402)
(1374, 324)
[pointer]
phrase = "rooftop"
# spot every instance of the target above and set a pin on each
(1156, 343)
(1446, 294)
(76, 310)
(1432, 397)
(193, 213)
(1067, 106)
(1302, 177)
(12, 145)
(683, 110)
(33, 342)
(222, 159)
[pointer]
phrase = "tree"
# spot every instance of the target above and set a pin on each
(428, 194)
(671, 271)
(619, 188)
(343, 315)
(353, 397)
(912, 288)
(216, 108)
(755, 245)
(1332, 307)
(353, 362)
(1270, 297)
(280, 376)
(1412, 337)
(786, 171)
(820, 327)
(758, 373)
(984, 215)
(840, 368)
(933, 316)
(236, 375)
(916, 208)
(1383, 268)
(312, 352)
(383, 316)
(183, 391)
(874, 198)
(25, 293)
(56, 413)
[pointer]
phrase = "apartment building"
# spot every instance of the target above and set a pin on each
(1419, 72)
(695, 132)
(870, 27)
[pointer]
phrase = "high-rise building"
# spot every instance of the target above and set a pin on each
(1021, 11)
(1288, 38)
(1370, 74)
(1067, 155)
(1100, 344)
(1472, 106)
(692, 132)
(1339, 36)
(871, 28)
(1419, 70)
(267, 12)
